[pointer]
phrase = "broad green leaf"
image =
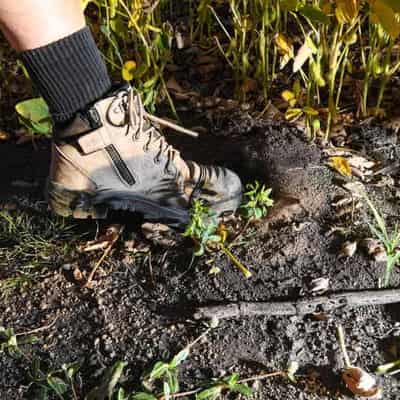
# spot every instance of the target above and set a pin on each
(290, 97)
(173, 382)
(179, 358)
(242, 389)
(159, 369)
(209, 393)
(310, 111)
(35, 115)
(110, 381)
(71, 369)
(314, 14)
(393, 4)
(289, 5)
(293, 113)
(346, 10)
(57, 385)
(385, 368)
(386, 17)
(143, 396)
(284, 44)
(121, 395)
(167, 391)
(232, 380)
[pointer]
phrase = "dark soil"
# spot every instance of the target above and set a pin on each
(125, 317)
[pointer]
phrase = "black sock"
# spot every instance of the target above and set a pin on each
(69, 73)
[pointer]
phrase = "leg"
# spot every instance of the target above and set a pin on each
(27, 24)
(107, 151)
(58, 51)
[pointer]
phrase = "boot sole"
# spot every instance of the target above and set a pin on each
(84, 205)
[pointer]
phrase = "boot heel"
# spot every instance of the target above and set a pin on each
(71, 203)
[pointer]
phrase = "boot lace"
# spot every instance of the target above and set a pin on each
(137, 118)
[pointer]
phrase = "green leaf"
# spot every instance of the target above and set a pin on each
(121, 395)
(167, 391)
(387, 18)
(57, 385)
(35, 115)
(289, 5)
(385, 368)
(393, 4)
(110, 380)
(232, 380)
(173, 382)
(242, 389)
(179, 358)
(314, 14)
(159, 369)
(71, 369)
(143, 396)
(209, 393)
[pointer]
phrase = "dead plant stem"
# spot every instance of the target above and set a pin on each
(104, 256)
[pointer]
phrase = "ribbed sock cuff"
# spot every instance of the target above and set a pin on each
(69, 73)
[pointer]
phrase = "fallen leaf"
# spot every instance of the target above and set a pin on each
(349, 249)
(4, 135)
(361, 163)
(104, 240)
(78, 276)
(304, 53)
(159, 234)
(319, 285)
(128, 70)
(341, 165)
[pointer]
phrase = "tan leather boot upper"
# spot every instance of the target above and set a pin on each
(116, 158)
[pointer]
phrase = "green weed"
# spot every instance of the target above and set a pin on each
(257, 201)
(209, 235)
(10, 343)
(390, 241)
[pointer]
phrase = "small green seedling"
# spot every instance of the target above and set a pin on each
(10, 343)
(390, 241)
(109, 383)
(258, 201)
(230, 383)
(207, 234)
(59, 382)
(202, 227)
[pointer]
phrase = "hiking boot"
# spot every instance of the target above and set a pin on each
(112, 156)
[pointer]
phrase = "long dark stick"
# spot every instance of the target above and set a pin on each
(302, 306)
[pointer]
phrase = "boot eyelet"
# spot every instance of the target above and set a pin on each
(156, 160)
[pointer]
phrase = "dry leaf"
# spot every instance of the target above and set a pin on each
(78, 276)
(4, 136)
(341, 165)
(319, 285)
(159, 234)
(361, 163)
(104, 240)
(302, 56)
(349, 249)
